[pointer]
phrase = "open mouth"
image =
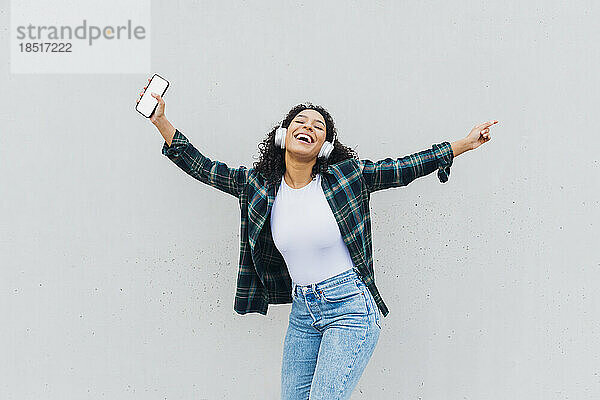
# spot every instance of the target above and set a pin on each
(304, 138)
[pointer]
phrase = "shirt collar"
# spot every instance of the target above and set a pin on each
(329, 170)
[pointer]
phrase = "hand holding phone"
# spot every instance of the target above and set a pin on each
(152, 105)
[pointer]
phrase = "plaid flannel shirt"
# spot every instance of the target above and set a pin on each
(263, 276)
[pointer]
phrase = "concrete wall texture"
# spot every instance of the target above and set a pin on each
(118, 270)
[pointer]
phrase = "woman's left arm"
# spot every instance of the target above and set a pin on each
(478, 136)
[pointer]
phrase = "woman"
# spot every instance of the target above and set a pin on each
(306, 238)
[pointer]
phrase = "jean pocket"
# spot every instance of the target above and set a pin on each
(376, 310)
(377, 316)
(371, 304)
(343, 292)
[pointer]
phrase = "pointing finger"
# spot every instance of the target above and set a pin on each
(485, 124)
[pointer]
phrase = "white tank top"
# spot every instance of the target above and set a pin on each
(307, 235)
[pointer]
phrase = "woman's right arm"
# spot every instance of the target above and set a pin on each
(214, 173)
(179, 150)
(165, 128)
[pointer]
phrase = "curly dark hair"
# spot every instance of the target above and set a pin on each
(271, 163)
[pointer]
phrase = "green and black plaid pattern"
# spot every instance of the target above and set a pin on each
(263, 277)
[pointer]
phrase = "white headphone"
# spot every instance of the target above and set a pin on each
(325, 151)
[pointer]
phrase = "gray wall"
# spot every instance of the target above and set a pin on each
(118, 270)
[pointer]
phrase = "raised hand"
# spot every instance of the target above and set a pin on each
(480, 134)
(159, 112)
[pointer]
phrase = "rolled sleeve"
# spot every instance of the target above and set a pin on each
(178, 145)
(445, 156)
(389, 173)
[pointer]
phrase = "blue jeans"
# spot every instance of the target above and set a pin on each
(333, 328)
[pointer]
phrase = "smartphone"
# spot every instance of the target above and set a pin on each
(147, 103)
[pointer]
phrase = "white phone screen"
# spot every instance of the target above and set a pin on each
(147, 103)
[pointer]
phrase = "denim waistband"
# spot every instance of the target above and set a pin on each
(338, 279)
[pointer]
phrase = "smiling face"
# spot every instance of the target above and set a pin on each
(310, 123)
